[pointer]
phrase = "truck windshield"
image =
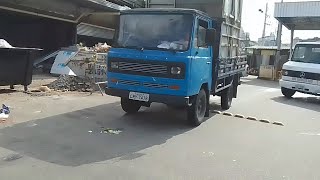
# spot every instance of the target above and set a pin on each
(145, 31)
(307, 53)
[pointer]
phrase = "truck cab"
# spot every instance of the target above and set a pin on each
(302, 72)
(167, 56)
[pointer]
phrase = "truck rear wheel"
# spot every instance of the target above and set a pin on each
(196, 112)
(288, 93)
(130, 106)
(226, 98)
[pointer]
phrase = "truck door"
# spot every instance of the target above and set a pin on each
(202, 62)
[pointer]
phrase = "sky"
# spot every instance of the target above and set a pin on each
(253, 20)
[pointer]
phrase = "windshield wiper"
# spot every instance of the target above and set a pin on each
(149, 48)
(133, 47)
(297, 60)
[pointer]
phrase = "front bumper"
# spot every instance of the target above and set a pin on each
(165, 99)
(301, 87)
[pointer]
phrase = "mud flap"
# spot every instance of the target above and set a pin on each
(208, 105)
(235, 85)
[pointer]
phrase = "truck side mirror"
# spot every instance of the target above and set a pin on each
(210, 37)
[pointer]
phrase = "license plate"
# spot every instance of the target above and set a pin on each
(300, 87)
(139, 96)
(302, 80)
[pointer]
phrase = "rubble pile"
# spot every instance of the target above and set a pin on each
(102, 48)
(71, 83)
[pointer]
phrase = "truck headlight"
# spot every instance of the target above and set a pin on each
(285, 72)
(176, 70)
(114, 65)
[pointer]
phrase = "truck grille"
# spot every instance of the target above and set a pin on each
(157, 86)
(146, 68)
(143, 68)
(130, 83)
(146, 84)
(304, 75)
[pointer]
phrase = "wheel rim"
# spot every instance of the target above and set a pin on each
(201, 107)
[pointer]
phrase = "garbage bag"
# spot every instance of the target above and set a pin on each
(4, 112)
(4, 44)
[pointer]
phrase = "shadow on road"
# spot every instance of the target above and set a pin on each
(310, 103)
(7, 91)
(215, 106)
(254, 81)
(75, 138)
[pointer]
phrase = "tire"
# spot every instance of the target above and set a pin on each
(226, 98)
(196, 112)
(130, 106)
(288, 93)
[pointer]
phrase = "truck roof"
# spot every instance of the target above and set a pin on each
(169, 10)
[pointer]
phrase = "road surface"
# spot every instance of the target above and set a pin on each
(90, 137)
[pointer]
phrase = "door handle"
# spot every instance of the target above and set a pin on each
(208, 62)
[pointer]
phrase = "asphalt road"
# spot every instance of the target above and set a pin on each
(157, 143)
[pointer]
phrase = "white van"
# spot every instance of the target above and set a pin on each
(302, 72)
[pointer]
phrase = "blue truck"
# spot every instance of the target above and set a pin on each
(174, 56)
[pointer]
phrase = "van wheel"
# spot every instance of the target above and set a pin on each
(130, 106)
(288, 93)
(196, 112)
(226, 98)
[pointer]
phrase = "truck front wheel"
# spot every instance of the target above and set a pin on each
(226, 98)
(288, 93)
(130, 106)
(196, 112)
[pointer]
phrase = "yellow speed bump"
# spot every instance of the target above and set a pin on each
(252, 118)
(278, 123)
(239, 116)
(216, 112)
(227, 114)
(265, 121)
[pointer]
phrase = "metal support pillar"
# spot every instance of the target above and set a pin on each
(277, 67)
(291, 42)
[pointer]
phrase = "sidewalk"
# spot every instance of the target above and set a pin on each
(31, 106)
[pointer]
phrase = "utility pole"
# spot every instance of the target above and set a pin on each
(265, 22)
(278, 55)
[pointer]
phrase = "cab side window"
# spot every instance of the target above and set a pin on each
(201, 33)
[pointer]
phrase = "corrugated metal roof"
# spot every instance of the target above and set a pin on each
(297, 9)
(130, 3)
(299, 15)
(67, 10)
(161, 3)
(107, 4)
(84, 29)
